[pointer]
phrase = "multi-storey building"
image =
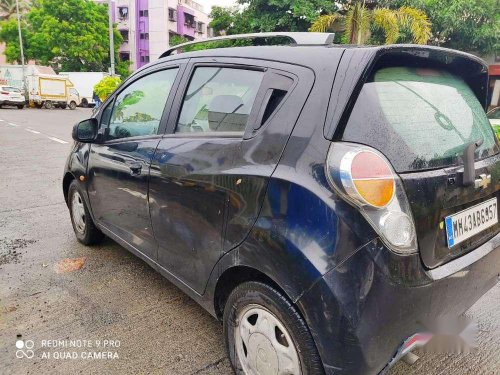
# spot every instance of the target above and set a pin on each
(147, 26)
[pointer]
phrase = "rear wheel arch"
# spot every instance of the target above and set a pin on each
(234, 276)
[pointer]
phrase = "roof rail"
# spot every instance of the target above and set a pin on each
(296, 38)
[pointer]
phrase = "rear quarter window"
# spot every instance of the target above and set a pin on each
(419, 118)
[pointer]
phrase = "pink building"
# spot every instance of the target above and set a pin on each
(147, 26)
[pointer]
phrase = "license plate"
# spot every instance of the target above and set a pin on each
(469, 222)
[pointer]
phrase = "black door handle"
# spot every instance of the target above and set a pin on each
(135, 168)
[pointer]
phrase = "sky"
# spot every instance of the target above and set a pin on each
(208, 4)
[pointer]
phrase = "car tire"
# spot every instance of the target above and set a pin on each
(85, 230)
(63, 106)
(72, 105)
(85, 103)
(20, 106)
(249, 306)
(48, 104)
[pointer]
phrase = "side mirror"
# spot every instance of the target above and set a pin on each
(86, 131)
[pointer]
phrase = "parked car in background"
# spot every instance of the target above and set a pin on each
(12, 96)
(326, 202)
(52, 91)
(84, 83)
(494, 117)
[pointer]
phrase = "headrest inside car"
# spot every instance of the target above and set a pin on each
(223, 116)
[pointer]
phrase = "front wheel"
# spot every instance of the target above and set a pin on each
(85, 230)
(20, 106)
(72, 105)
(265, 334)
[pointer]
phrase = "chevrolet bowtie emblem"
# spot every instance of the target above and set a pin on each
(483, 181)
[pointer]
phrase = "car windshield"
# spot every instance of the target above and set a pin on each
(420, 118)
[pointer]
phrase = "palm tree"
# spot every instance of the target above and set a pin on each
(8, 8)
(357, 23)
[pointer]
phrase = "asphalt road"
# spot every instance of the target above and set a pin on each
(115, 304)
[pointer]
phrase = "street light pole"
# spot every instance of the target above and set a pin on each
(20, 41)
(111, 39)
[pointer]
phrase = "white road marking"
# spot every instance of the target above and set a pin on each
(58, 140)
(1, 120)
(37, 132)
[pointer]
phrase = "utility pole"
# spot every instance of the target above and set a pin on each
(111, 39)
(20, 41)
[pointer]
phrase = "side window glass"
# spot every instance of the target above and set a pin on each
(106, 115)
(138, 109)
(219, 100)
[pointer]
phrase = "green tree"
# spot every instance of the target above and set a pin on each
(69, 35)
(222, 19)
(468, 25)
(361, 25)
(268, 15)
(106, 86)
(177, 39)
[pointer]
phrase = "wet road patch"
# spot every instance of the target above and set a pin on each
(69, 265)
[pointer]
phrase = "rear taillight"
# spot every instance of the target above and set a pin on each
(4, 92)
(366, 179)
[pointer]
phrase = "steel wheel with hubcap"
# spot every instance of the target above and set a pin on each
(85, 230)
(266, 335)
(78, 212)
(263, 344)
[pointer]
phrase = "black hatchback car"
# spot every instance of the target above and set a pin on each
(327, 203)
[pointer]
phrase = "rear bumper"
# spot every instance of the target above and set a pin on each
(361, 312)
(12, 102)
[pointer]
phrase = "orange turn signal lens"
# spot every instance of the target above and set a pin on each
(373, 179)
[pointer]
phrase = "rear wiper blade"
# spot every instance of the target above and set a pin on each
(468, 158)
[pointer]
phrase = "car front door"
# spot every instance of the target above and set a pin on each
(210, 170)
(118, 171)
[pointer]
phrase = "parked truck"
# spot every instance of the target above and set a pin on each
(52, 91)
(12, 75)
(84, 82)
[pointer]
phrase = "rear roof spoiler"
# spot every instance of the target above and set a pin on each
(295, 38)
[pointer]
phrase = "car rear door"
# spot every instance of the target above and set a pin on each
(423, 117)
(210, 171)
(131, 125)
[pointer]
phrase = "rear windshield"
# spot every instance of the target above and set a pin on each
(419, 118)
(10, 89)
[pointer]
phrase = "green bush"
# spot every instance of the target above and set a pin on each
(496, 128)
(106, 86)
